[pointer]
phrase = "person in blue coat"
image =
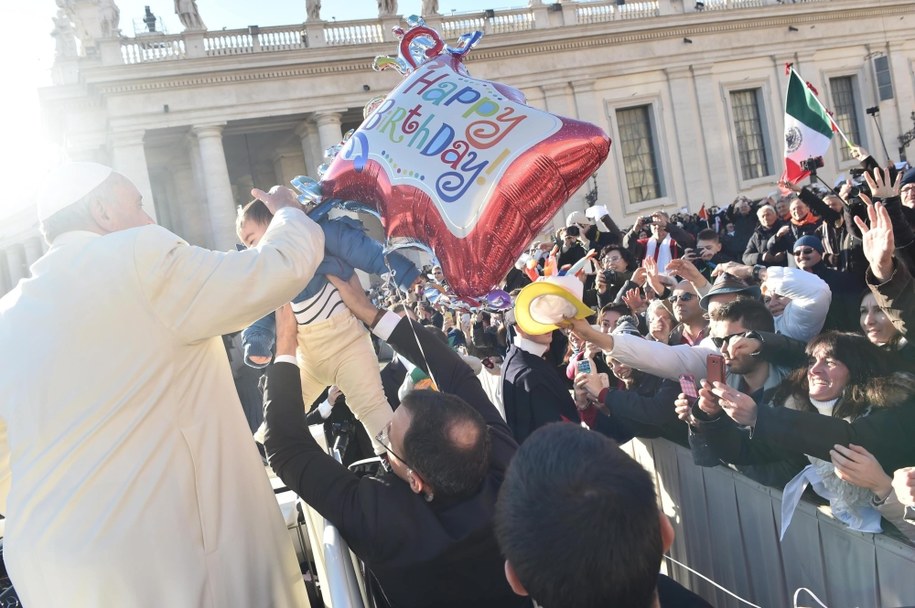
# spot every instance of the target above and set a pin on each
(333, 347)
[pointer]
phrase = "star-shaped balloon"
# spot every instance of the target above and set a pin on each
(460, 164)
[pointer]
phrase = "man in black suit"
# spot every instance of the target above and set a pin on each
(533, 392)
(424, 530)
(579, 524)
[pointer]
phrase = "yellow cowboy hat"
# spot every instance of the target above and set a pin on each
(540, 306)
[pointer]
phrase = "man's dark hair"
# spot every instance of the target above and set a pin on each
(751, 313)
(447, 443)
(618, 307)
(708, 234)
(578, 521)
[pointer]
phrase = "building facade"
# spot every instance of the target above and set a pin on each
(691, 94)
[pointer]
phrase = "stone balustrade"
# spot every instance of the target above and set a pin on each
(154, 47)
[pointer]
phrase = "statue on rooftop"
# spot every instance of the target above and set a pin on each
(387, 8)
(313, 10)
(430, 7)
(150, 20)
(64, 35)
(109, 17)
(189, 15)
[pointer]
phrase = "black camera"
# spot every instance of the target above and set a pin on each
(812, 164)
(573, 231)
(646, 219)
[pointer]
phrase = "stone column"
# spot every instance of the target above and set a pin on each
(329, 131)
(286, 165)
(218, 188)
(5, 283)
(693, 180)
(308, 135)
(713, 125)
(17, 264)
(128, 156)
(194, 213)
(34, 248)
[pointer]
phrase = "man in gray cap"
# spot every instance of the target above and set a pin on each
(129, 476)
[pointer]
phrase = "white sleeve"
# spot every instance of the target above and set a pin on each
(660, 359)
(198, 293)
(386, 325)
(804, 316)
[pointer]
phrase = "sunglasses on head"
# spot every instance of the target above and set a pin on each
(804, 251)
(685, 297)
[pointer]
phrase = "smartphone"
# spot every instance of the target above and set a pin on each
(584, 366)
(714, 368)
(688, 386)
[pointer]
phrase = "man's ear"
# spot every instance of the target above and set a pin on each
(100, 216)
(513, 581)
(416, 482)
(667, 531)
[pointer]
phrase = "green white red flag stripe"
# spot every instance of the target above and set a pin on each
(808, 128)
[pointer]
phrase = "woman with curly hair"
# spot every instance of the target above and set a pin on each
(848, 394)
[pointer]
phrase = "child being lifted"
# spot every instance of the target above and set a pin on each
(334, 348)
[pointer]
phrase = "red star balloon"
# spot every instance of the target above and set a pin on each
(460, 164)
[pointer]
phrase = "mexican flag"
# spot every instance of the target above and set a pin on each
(808, 128)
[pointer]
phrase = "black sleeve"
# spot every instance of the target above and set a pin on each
(818, 205)
(538, 403)
(886, 433)
(896, 297)
(683, 238)
(902, 230)
(752, 254)
(631, 242)
(329, 487)
(646, 416)
(612, 228)
(733, 445)
(448, 370)
(782, 350)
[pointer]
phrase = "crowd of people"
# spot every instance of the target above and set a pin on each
(769, 336)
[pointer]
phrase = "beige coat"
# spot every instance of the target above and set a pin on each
(135, 481)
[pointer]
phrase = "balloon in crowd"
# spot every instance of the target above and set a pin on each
(461, 165)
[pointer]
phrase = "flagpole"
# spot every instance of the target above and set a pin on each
(828, 113)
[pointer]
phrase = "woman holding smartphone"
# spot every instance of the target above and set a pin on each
(846, 395)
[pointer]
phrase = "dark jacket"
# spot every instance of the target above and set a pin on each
(646, 411)
(423, 554)
(844, 309)
(720, 439)
(681, 238)
(533, 393)
(672, 594)
(759, 245)
(886, 432)
(896, 297)
(784, 435)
